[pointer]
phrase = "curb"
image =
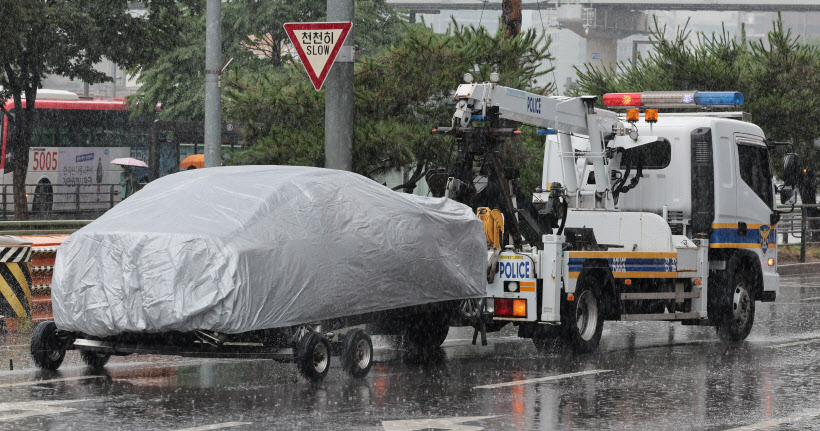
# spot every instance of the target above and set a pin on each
(799, 269)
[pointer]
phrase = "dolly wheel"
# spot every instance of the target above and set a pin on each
(94, 360)
(313, 356)
(357, 353)
(46, 349)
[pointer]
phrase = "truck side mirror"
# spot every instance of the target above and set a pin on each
(791, 169)
(788, 196)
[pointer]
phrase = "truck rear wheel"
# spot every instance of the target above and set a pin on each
(426, 332)
(583, 323)
(737, 313)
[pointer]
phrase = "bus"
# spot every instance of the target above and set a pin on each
(73, 142)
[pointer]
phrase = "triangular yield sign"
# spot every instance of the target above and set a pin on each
(318, 43)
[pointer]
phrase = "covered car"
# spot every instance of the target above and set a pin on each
(236, 249)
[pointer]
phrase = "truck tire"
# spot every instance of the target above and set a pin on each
(736, 314)
(582, 321)
(426, 332)
(313, 356)
(357, 353)
(46, 349)
(94, 360)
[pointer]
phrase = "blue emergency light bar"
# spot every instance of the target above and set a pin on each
(673, 99)
(546, 132)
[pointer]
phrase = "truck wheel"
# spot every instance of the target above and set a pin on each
(94, 359)
(736, 318)
(582, 322)
(426, 332)
(313, 356)
(46, 349)
(357, 353)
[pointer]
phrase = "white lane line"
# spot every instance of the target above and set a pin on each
(215, 426)
(774, 422)
(795, 343)
(541, 379)
(27, 409)
(37, 382)
(815, 298)
(452, 424)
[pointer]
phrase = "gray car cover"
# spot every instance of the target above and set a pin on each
(235, 249)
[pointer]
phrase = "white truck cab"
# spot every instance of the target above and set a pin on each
(648, 216)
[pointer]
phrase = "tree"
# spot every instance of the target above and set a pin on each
(68, 37)
(778, 76)
(511, 17)
(253, 37)
(401, 94)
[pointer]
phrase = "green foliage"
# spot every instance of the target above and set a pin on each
(253, 37)
(784, 91)
(285, 117)
(401, 94)
(68, 37)
(711, 62)
(779, 77)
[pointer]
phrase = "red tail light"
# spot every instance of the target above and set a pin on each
(503, 307)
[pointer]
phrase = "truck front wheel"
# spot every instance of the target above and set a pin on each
(737, 313)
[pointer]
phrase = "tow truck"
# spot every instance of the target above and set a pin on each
(638, 217)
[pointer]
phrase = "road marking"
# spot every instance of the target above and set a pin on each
(452, 424)
(215, 426)
(774, 422)
(37, 382)
(816, 298)
(34, 408)
(541, 379)
(795, 343)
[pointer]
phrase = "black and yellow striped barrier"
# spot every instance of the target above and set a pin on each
(15, 277)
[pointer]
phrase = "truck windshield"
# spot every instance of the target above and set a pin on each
(755, 170)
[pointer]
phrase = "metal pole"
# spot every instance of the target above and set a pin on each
(113, 80)
(803, 223)
(213, 102)
(339, 97)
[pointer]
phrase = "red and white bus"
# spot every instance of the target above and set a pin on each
(73, 142)
(72, 145)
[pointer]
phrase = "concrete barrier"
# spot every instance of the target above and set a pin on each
(811, 268)
(15, 278)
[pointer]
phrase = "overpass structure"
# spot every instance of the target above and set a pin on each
(603, 22)
(430, 6)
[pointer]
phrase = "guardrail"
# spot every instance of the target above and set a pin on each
(40, 227)
(62, 201)
(803, 225)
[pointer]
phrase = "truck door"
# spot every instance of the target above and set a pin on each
(754, 194)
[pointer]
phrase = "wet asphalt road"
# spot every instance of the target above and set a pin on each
(645, 376)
